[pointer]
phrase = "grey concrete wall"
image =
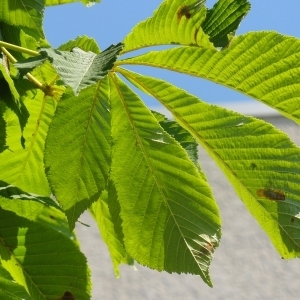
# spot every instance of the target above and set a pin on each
(245, 266)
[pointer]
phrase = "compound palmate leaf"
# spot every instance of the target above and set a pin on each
(260, 161)
(170, 219)
(45, 262)
(77, 151)
(262, 65)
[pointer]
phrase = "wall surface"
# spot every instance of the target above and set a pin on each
(245, 266)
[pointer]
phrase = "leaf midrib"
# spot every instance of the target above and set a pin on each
(152, 169)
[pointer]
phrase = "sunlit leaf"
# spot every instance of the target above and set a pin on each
(169, 25)
(9, 289)
(259, 160)
(83, 42)
(58, 2)
(170, 218)
(46, 263)
(262, 65)
(77, 153)
(26, 13)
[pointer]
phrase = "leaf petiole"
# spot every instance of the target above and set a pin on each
(29, 76)
(18, 49)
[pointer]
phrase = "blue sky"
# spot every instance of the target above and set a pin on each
(111, 20)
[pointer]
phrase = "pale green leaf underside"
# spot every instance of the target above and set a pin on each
(262, 65)
(223, 20)
(23, 167)
(100, 211)
(26, 13)
(77, 152)
(78, 68)
(253, 154)
(42, 260)
(169, 215)
(167, 26)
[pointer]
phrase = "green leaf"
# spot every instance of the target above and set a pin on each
(185, 139)
(25, 13)
(259, 160)
(24, 37)
(22, 203)
(58, 2)
(224, 19)
(77, 152)
(83, 42)
(22, 166)
(106, 223)
(170, 219)
(78, 69)
(9, 289)
(55, 219)
(262, 65)
(15, 105)
(3, 128)
(169, 26)
(46, 263)
(4, 70)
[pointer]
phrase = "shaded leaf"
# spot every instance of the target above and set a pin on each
(77, 152)
(224, 19)
(32, 253)
(78, 69)
(3, 128)
(169, 215)
(57, 220)
(260, 161)
(262, 65)
(22, 203)
(106, 221)
(4, 69)
(22, 166)
(15, 105)
(186, 140)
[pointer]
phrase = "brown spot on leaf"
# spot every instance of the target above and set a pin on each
(68, 296)
(271, 194)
